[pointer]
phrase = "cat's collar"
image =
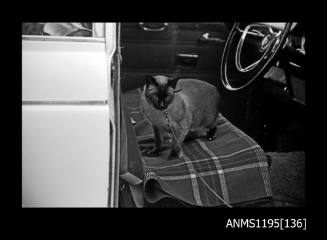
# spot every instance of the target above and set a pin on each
(166, 114)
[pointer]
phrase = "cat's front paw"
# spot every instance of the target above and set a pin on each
(211, 138)
(211, 135)
(176, 154)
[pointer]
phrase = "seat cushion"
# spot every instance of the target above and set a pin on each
(230, 170)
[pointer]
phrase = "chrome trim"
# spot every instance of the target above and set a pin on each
(65, 102)
(185, 55)
(206, 37)
(113, 158)
(299, 101)
(62, 38)
(115, 86)
(147, 29)
(294, 64)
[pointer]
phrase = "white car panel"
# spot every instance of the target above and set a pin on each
(65, 152)
(64, 71)
(66, 115)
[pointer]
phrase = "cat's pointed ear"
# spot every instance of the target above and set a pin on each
(173, 82)
(148, 80)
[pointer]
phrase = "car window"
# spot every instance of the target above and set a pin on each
(68, 29)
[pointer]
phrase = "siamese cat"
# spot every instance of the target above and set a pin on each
(192, 107)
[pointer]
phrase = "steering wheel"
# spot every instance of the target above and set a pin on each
(249, 51)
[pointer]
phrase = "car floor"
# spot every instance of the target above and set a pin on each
(287, 176)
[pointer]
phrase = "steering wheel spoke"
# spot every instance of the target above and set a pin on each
(269, 38)
(255, 29)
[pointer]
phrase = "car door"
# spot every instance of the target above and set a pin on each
(183, 49)
(68, 117)
(186, 49)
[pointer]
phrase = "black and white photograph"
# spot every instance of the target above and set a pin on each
(163, 115)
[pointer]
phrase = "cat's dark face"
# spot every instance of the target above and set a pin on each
(160, 91)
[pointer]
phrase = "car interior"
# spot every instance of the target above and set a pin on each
(258, 157)
(266, 103)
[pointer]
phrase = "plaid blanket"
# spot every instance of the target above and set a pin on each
(231, 169)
